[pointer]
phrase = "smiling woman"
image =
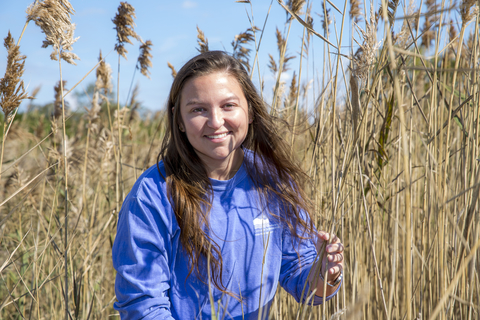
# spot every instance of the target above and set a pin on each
(215, 119)
(222, 218)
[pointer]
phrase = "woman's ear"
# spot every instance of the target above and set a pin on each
(181, 128)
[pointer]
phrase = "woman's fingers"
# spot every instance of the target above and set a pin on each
(335, 270)
(335, 247)
(336, 258)
(325, 236)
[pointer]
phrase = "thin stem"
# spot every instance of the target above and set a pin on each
(66, 190)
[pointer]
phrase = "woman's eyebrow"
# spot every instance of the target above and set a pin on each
(192, 102)
(228, 98)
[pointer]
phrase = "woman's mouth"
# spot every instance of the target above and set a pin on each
(218, 136)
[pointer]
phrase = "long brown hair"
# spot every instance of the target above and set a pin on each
(273, 171)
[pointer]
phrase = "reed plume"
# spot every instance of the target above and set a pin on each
(93, 113)
(465, 10)
(240, 52)
(391, 10)
(104, 76)
(57, 105)
(293, 92)
(53, 17)
(12, 91)
(404, 35)
(295, 6)
(365, 56)
(272, 65)
(202, 41)
(355, 11)
(326, 19)
(453, 39)
(282, 49)
(430, 19)
(124, 25)
(144, 58)
(174, 72)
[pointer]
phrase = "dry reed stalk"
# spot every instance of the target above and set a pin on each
(282, 65)
(53, 17)
(406, 171)
(295, 91)
(124, 25)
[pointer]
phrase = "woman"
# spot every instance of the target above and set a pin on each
(221, 219)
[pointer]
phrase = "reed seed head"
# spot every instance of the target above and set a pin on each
(240, 52)
(53, 17)
(293, 91)
(93, 113)
(465, 10)
(104, 76)
(430, 20)
(391, 10)
(124, 25)
(174, 72)
(282, 49)
(355, 11)
(295, 6)
(272, 65)
(326, 19)
(12, 91)
(144, 58)
(58, 99)
(365, 56)
(202, 41)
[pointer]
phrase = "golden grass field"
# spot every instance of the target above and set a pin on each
(393, 161)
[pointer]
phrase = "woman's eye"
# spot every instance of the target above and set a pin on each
(229, 105)
(197, 110)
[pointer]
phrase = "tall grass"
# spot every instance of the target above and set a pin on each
(393, 162)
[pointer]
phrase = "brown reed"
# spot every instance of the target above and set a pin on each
(202, 41)
(428, 29)
(104, 76)
(144, 59)
(240, 51)
(53, 17)
(174, 72)
(124, 25)
(12, 90)
(355, 11)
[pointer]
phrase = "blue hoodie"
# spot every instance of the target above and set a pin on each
(152, 279)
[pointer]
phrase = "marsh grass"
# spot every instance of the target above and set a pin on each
(393, 163)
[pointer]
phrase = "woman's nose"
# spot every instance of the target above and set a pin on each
(216, 119)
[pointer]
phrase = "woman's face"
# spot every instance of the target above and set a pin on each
(215, 118)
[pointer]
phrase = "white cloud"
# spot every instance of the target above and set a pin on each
(189, 4)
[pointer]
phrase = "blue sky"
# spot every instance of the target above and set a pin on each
(170, 25)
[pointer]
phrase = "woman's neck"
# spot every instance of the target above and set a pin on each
(226, 170)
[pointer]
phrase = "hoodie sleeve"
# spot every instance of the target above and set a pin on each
(298, 256)
(142, 255)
